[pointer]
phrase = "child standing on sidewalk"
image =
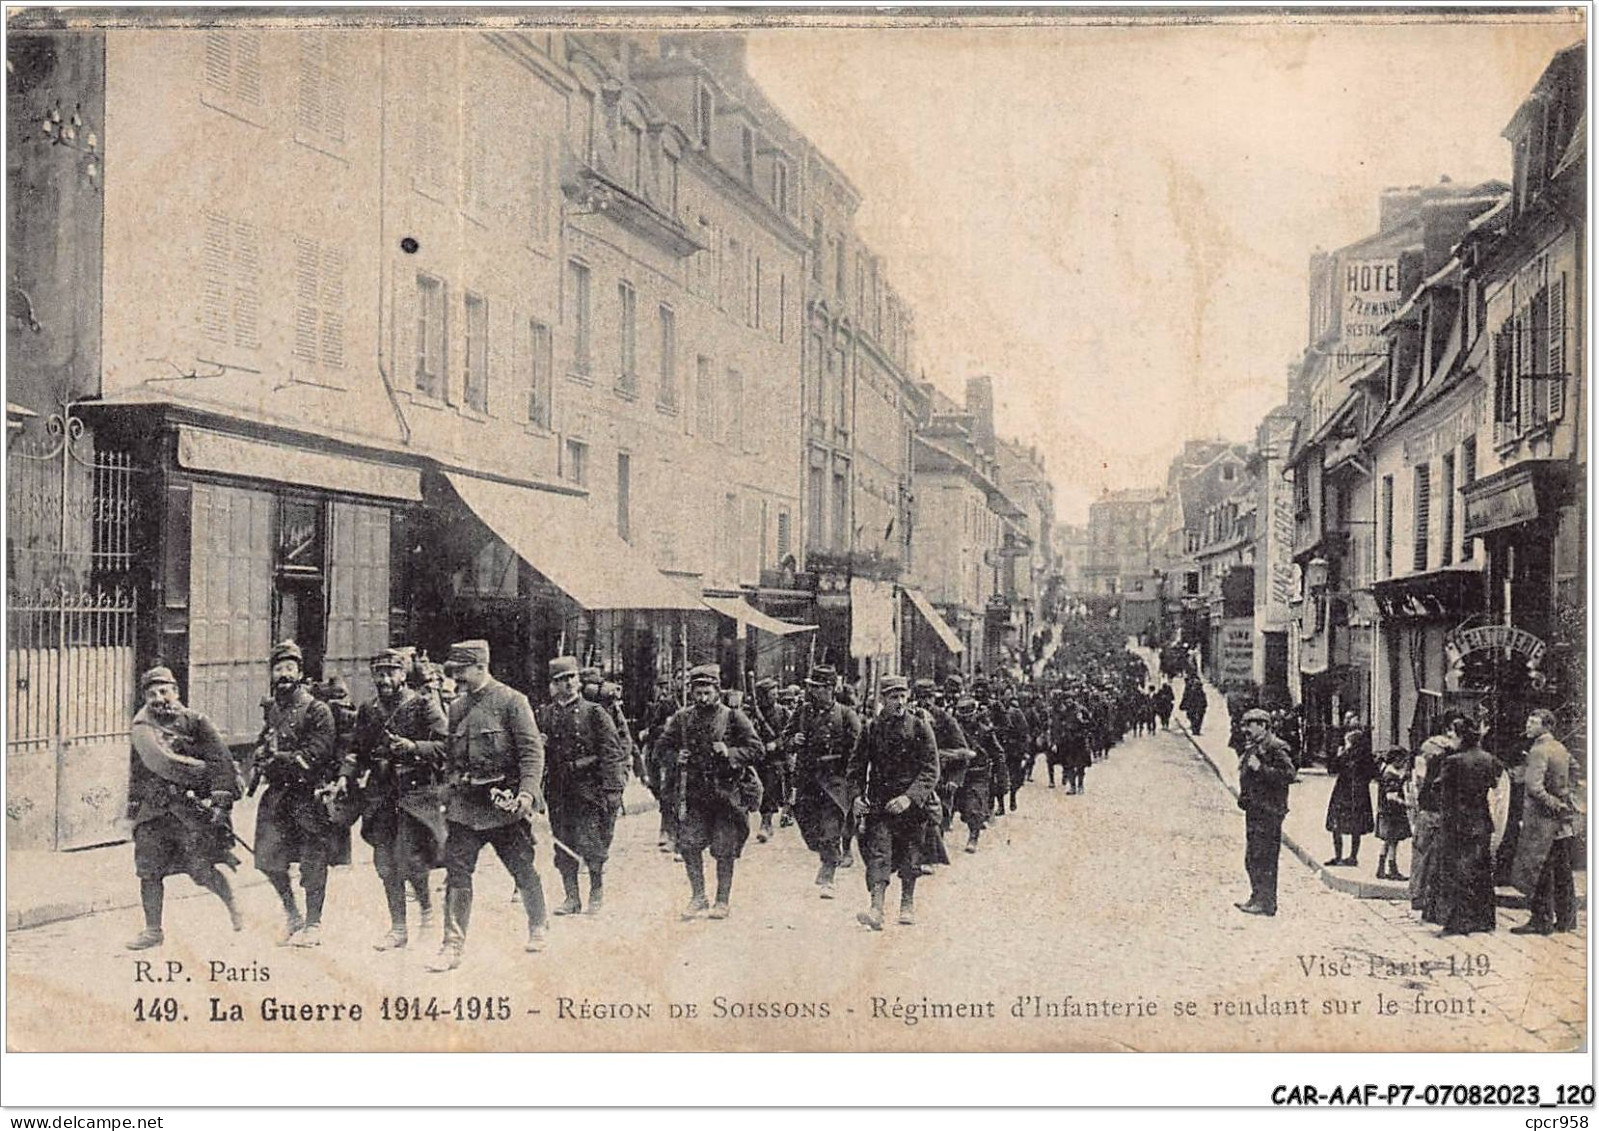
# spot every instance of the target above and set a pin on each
(1393, 821)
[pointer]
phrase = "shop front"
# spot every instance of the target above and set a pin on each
(1417, 615)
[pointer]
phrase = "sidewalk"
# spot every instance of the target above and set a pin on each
(47, 887)
(1304, 830)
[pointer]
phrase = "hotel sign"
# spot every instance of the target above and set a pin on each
(1370, 295)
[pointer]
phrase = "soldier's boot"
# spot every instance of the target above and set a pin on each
(316, 890)
(293, 921)
(394, 896)
(764, 834)
(596, 889)
(216, 883)
(152, 895)
(457, 916)
(694, 865)
(824, 880)
(847, 859)
(724, 887)
(873, 917)
(573, 903)
(907, 902)
(538, 919)
(785, 818)
(428, 919)
(971, 840)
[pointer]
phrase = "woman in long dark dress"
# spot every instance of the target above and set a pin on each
(1465, 864)
(1349, 807)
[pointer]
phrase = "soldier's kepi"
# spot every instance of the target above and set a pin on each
(494, 772)
(297, 756)
(396, 765)
(181, 789)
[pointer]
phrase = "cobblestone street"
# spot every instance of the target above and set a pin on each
(1142, 871)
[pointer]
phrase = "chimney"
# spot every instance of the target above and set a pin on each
(980, 405)
(1397, 207)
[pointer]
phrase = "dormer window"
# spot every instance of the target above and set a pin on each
(704, 115)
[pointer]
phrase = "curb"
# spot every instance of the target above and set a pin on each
(42, 915)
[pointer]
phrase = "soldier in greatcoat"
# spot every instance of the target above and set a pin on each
(954, 759)
(769, 721)
(714, 745)
(396, 766)
(657, 766)
(986, 761)
(297, 757)
(820, 737)
(494, 769)
(585, 770)
(181, 789)
(893, 776)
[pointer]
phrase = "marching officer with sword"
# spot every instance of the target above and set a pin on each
(177, 759)
(494, 770)
(398, 753)
(585, 770)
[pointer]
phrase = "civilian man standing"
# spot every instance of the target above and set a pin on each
(495, 773)
(1543, 855)
(1263, 781)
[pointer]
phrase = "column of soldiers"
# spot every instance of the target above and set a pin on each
(443, 761)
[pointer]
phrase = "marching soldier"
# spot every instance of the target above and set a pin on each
(632, 755)
(769, 720)
(820, 737)
(994, 712)
(298, 757)
(181, 789)
(656, 759)
(893, 775)
(495, 772)
(585, 770)
(398, 751)
(954, 757)
(987, 758)
(716, 752)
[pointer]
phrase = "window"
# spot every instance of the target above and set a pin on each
(838, 266)
(627, 333)
(1468, 476)
(1387, 525)
(704, 114)
(818, 249)
(666, 390)
(1423, 516)
(432, 328)
(1446, 536)
(633, 156)
(733, 399)
(755, 296)
(860, 287)
(747, 151)
(319, 119)
(577, 463)
(624, 496)
(817, 499)
(704, 398)
(782, 308)
(476, 393)
(780, 186)
(1228, 473)
(785, 535)
(539, 364)
(673, 170)
(841, 366)
(578, 274)
(840, 511)
(1556, 339)
(230, 281)
(318, 303)
(816, 400)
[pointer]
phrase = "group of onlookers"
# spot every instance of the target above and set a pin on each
(1454, 799)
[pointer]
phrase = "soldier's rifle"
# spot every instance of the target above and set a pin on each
(505, 799)
(214, 811)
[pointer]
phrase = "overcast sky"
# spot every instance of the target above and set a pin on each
(1115, 221)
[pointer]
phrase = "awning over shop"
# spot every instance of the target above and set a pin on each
(946, 634)
(558, 536)
(202, 450)
(741, 610)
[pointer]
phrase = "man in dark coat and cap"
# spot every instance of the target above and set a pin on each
(1264, 775)
(820, 737)
(181, 789)
(715, 745)
(398, 753)
(893, 776)
(297, 756)
(585, 770)
(495, 772)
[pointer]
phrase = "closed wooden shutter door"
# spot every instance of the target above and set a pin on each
(230, 606)
(358, 597)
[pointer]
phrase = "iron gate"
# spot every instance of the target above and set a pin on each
(71, 613)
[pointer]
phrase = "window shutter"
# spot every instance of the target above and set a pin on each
(246, 284)
(219, 62)
(306, 285)
(334, 65)
(310, 115)
(1557, 348)
(247, 68)
(332, 305)
(214, 260)
(1468, 476)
